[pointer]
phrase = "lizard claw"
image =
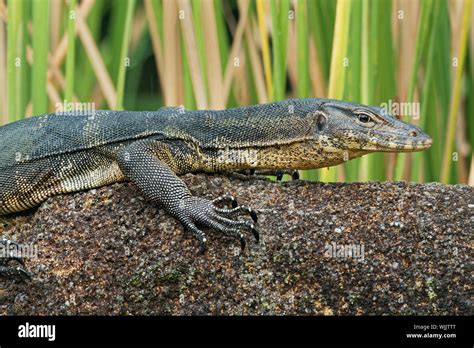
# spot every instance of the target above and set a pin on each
(279, 175)
(194, 212)
(238, 209)
(202, 248)
(242, 243)
(253, 215)
(225, 198)
(256, 234)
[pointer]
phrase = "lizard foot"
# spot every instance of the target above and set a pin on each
(236, 208)
(8, 254)
(295, 175)
(199, 211)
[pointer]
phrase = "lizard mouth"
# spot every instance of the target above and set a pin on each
(415, 142)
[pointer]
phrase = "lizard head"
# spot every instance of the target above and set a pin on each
(360, 128)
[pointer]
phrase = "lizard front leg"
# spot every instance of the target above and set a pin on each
(152, 165)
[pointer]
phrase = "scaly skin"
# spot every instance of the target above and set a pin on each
(60, 153)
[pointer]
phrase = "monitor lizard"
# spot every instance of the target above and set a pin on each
(72, 151)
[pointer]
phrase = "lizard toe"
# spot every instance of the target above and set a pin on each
(226, 199)
(240, 209)
(198, 234)
(237, 225)
(213, 224)
(10, 271)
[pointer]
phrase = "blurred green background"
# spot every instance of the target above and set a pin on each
(416, 56)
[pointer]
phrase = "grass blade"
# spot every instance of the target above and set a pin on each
(456, 96)
(193, 56)
(71, 51)
(3, 74)
(338, 68)
(265, 47)
(418, 157)
(421, 39)
(15, 58)
(123, 60)
(200, 40)
(279, 11)
(236, 47)
(302, 48)
(40, 48)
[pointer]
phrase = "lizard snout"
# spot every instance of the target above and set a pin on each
(419, 139)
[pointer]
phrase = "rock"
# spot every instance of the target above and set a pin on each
(405, 249)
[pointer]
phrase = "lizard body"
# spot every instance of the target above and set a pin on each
(67, 152)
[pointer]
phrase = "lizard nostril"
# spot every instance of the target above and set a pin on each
(413, 133)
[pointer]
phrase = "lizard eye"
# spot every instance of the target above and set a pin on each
(364, 118)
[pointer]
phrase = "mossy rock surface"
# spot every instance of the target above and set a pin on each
(109, 251)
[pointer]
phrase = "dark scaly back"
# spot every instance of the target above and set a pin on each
(60, 133)
(261, 125)
(53, 134)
